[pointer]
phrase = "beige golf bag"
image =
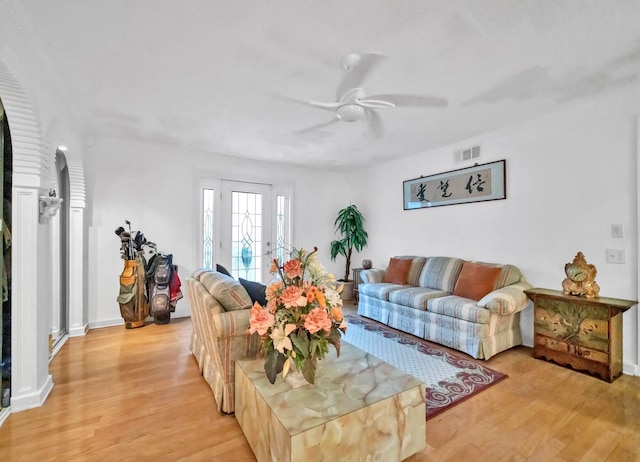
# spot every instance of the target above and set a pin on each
(134, 306)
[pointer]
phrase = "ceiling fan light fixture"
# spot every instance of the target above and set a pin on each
(350, 112)
(350, 60)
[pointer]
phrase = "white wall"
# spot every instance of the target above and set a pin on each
(156, 188)
(570, 176)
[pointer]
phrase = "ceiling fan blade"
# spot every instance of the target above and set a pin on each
(375, 123)
(328, 106)
(316, 127)
(412, 100)
(356, 74)
(375, 103)
(321, 105)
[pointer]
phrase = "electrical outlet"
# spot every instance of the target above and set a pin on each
(616, 256)
(617, 230)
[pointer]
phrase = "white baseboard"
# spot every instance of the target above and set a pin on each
(79, 331)
(630, 369)
(32, 400)
(106, 323)
(4, 413)
(120, 321)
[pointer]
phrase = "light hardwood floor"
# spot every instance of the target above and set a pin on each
(136, 395)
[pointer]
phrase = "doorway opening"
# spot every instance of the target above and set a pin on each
(6, 164)
(60, 263)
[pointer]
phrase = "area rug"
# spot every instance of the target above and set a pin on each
(449, 378)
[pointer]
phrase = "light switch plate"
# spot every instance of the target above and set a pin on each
(617, 230)
(616, 256)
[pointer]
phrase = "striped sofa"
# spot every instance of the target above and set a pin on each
(220, 316)
(426, 305)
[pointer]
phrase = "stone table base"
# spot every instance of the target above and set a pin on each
(360, 408)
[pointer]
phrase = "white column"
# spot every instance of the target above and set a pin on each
(31, 382)
(78, 324)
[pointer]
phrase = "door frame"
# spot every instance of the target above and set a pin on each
(207, 179)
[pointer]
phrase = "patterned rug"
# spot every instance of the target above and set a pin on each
(449, 378)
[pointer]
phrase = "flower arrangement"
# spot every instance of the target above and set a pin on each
(302, 317)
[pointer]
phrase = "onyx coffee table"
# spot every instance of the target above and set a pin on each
(360, 408)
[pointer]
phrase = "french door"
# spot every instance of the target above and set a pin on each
(246, 231)
(244, 226)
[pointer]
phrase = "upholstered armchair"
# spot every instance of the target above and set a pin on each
(220, 311)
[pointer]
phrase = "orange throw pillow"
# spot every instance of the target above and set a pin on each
(397, 271)
(476, 280)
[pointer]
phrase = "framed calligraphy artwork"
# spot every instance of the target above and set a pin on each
(485, 182)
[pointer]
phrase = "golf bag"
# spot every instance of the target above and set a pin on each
(163, 285)
(133, 298)
(146, 287)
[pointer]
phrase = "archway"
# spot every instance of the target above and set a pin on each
(31, 257)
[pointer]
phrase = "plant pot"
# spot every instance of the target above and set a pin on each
(347, 291)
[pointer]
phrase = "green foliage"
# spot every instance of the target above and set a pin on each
(309, 369)
(300, 342)
(334, 338)
(350, 225)
(273, 364)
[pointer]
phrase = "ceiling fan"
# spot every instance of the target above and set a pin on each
(354, 105)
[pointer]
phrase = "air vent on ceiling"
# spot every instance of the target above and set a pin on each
(471, 153)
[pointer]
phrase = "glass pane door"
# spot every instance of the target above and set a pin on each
(246, 229)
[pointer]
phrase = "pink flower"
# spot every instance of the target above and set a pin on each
(292, 269)
(273, 289)
(261, 320)
(316, 320)
(292, 296)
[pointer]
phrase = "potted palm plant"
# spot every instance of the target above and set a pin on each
(350, 225)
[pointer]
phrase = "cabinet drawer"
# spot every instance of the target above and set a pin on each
(573, 325)
(572, 349)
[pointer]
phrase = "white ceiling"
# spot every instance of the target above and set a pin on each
(214, 75)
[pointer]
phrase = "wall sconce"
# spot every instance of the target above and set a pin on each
(49, 206)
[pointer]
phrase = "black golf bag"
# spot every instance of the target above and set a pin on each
(163, 287)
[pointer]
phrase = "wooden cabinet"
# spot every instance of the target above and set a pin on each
(583, 333)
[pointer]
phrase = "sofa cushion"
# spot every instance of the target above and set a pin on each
(380, 291)
(510, 274)
(397, 271)
(227, 291)
(459, 308)
(415, 297)
(441, 273)
(223, 270)
(476, 280)
(417, 263)
(257, 291)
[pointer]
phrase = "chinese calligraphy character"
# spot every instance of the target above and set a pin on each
(420, 194)
(477, 184)
(444, 186)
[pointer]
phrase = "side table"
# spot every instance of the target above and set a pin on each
(356, 280)
(584, 333)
